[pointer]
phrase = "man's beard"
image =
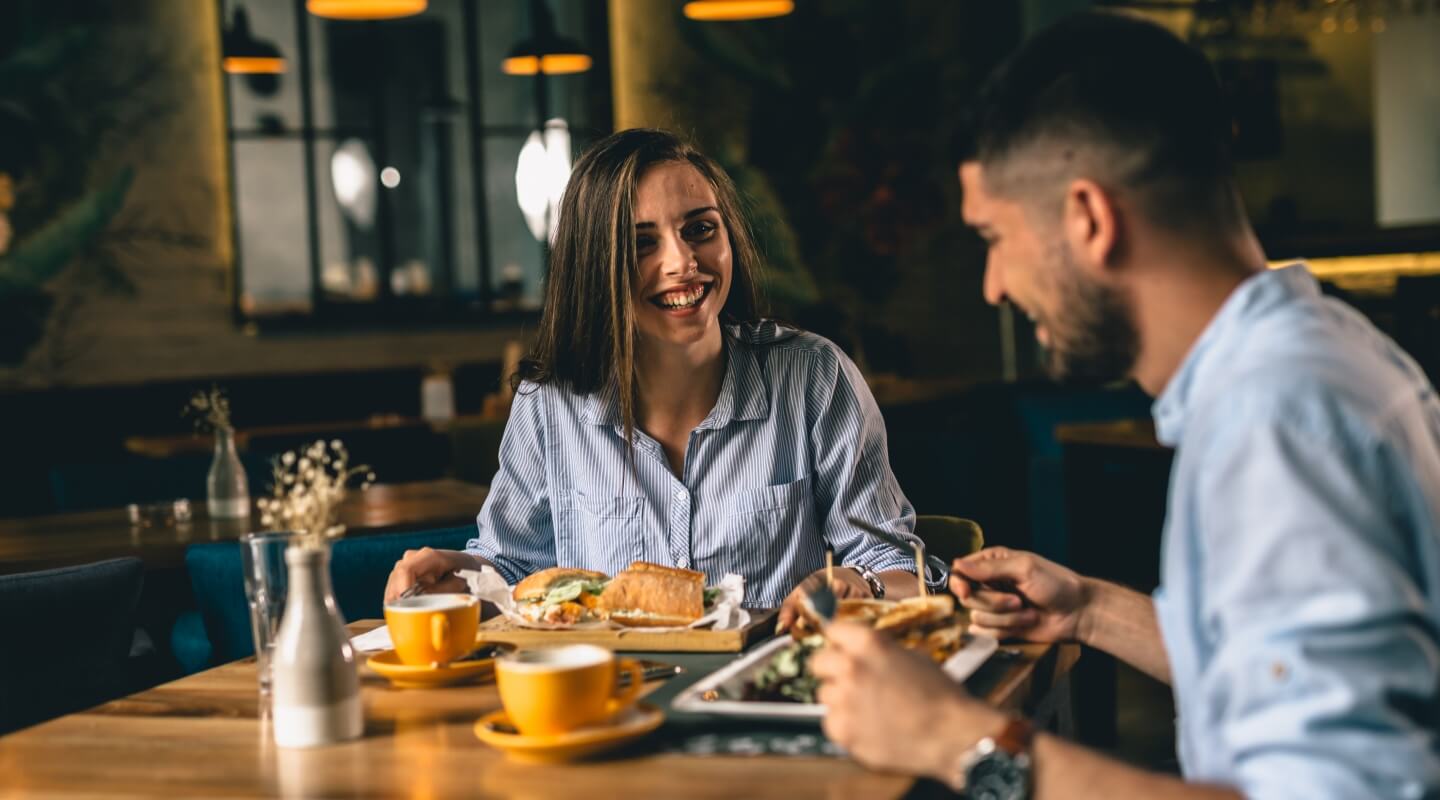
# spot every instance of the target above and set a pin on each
(1093, 339)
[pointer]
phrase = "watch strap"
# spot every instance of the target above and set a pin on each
(1016, 736)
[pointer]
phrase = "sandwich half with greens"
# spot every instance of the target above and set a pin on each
(561, 595)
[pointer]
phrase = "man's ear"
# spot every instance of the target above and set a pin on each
(1091, 226)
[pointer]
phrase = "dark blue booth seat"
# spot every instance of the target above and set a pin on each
(219, 630)
(68, 633)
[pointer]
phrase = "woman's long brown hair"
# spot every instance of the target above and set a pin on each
(587, 334)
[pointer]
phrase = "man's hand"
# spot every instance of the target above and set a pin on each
(847, 583)
(433, 569)
(1022, 596)
(894, 709)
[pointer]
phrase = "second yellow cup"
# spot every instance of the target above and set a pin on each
(433, 629)
(555, 690)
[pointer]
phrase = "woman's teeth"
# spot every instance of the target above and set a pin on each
(681, 298)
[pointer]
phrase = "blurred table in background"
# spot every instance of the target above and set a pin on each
(57, 540)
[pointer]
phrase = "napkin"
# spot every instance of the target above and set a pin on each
(726, 614)
(373, 640)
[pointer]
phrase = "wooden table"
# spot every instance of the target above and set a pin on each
(204, 735)
(57, 540)
(1137, 434)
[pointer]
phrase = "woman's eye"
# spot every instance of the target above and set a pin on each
(643, 243)
(700, 229)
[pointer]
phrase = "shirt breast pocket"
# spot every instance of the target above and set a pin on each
(762, 531)
(602, 533)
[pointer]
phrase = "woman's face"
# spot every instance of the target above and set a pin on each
(683, 248)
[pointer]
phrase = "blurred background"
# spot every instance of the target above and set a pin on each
(342, 221)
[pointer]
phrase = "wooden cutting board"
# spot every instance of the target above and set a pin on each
(762, 625)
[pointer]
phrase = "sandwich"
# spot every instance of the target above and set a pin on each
(928, 624)
(648, 595)
(561, 595)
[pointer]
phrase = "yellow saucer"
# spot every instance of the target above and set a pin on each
(494, 729)
(406, 676)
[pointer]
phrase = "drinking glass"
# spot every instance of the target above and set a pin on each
(262, 556)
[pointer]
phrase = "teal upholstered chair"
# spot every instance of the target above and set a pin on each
(219, 629)
(82, 619)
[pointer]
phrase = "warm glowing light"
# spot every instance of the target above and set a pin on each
(1372, 273)
(541, 172)
(735, 10)
(553, 64)
(253, 65)
(365, 9)
(390, 177)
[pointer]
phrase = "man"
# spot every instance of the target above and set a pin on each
(1298, 618)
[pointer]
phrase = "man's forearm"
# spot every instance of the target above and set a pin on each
(1122, 622)
(1065, 770)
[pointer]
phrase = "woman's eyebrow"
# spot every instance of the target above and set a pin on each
(691, 214)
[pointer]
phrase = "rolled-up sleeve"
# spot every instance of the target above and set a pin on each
(852, 469)
(1324, 679)
(515, 532)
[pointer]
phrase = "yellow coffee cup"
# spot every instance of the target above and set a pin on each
(558, 689)
(433, 629)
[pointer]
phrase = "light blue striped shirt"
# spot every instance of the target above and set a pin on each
(793, 448)
(1300, 588)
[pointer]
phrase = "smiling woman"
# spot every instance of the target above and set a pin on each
(661, 418)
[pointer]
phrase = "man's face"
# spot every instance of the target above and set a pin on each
(1085, 327)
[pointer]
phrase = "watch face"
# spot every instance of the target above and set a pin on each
(996, 777)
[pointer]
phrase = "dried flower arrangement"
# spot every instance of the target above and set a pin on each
(209, 410)
(308, 488)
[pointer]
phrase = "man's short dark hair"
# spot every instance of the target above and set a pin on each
(1115, 99)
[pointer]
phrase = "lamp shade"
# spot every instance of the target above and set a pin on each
(736, 10)
(546, 52)
(243, 54)
(365, 9)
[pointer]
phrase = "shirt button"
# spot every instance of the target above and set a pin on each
(683, 563)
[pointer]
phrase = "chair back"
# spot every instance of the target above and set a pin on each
(68, 634)
(948, 538)
(359, 568)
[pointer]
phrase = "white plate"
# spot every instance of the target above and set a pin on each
(732, 677)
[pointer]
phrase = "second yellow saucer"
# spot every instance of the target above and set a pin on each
(406, 676)
(495, 730)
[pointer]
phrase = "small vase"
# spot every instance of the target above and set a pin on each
(228, 492)
(315, 684)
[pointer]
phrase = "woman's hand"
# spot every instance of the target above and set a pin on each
(433, 569)
(847, 583)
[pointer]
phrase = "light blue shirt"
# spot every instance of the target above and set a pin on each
(793, 448)
(1300, 588)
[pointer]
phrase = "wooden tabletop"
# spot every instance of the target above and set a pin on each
(1138, 434)
(204, 735)
(57, 540)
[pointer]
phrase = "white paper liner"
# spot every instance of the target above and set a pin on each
(726, 614)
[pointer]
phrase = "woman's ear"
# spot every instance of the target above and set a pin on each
(1091, 226)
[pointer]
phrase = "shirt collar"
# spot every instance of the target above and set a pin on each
(744, 393)
(1255, 296)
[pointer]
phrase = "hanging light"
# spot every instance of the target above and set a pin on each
(243, 54)
(541, 172)
(546, 52)
(735, 10)
(365, 9)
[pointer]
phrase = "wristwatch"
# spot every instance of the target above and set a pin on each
(997, 767)
(877, 586)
